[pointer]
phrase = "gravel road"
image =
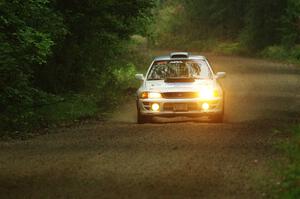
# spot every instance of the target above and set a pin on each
(177, 158)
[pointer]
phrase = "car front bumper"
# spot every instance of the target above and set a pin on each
(193, 107)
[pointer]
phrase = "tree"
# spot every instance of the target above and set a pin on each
(96, 30)
(263, 22)
(49, 46)
(29, 30)
(290, 28)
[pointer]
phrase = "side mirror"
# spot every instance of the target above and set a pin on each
(220, 75)
(140, 77)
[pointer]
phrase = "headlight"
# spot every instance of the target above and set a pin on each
(145, 95)
(154, 95)
(208, 93)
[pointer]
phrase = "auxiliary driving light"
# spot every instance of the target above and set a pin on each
(205, 106)
(155, 107)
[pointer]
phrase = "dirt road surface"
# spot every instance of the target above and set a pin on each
(177, 158)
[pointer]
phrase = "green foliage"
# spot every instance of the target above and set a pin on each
(289, 187)
(203, 24)
(97, 31)
(166, 26)
(38, 42)
(138, 53)
(72, 107)
(263, 20)
(275, 52)
(25, 44)
(56, 47)
(215, 19)
(290, 28)
(125, 77)
(282, 53)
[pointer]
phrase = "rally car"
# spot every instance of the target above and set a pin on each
(180, 84)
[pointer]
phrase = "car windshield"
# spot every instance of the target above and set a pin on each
(196, 69)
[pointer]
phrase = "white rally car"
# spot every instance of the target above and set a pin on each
(180, 85)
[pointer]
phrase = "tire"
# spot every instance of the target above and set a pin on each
(218, 118)
(142, 119)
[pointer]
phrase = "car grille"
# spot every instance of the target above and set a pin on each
(190, 106)
(180, 95)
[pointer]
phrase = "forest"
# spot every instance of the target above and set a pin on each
(72, 59)
(232, 26)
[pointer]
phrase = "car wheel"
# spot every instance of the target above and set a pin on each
(218, 118)
(142, 119)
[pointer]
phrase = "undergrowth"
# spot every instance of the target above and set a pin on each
(289, 169)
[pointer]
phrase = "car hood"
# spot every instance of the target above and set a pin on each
(162, 86)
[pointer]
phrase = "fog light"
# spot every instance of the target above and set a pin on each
(155, 107)
(205, 106)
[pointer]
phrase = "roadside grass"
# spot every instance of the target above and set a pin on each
(289, 168)
(82, 107)
(63, 111)
(291, 55)
(229, 48)
(72, 108)
(278, 53)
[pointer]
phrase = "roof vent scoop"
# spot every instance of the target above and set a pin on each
(179, 55)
